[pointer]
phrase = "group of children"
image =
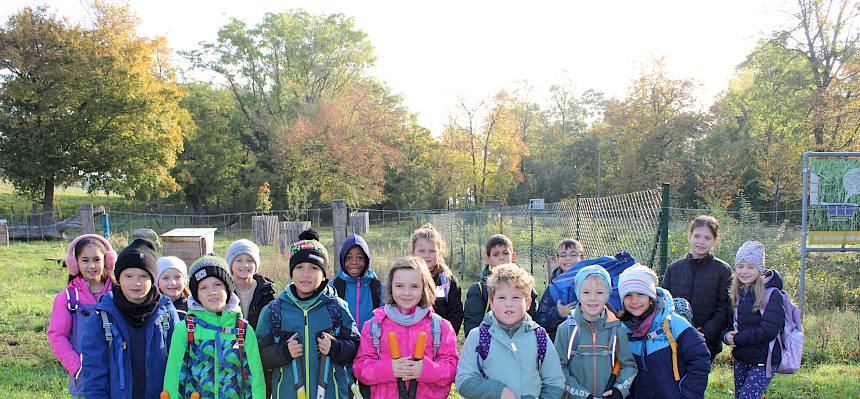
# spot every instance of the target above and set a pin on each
(133, 325)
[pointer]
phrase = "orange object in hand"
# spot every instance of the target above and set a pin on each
(195, 395)
(419, 346)
(393, 345)
(164, 395)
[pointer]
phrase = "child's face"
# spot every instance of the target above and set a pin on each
(171, 283)
(406, 288)
(135, 284)
(213, 294)
(307, 277)
(355, 262)
(91, 262)
(593, 297)
(426, 249)
(509, 304)
(567, 257)
(243, 267)
(747, 273)
(636, 303)
(499, 255)
(701, 241)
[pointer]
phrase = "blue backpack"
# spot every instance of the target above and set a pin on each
(562, 287)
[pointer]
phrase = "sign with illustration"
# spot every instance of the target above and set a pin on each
(834, 200)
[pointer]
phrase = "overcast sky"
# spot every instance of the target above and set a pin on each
(430, 52)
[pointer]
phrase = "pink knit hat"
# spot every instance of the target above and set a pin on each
(638, 278)
(72, 260)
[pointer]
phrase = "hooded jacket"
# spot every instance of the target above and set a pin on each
(263, 294)
(308, 318)
(438, 370)
(66, 327)
(705, 284)
(477, 303)
(209, 376)
(362, 294)
(106, 369)
(655, 378)
(756, 330)
(511, 363)
(586, 370)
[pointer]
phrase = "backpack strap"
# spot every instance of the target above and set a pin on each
(573, 338)
(340, 287)
(541, 336)
(375, 293)
(484, 296)
(674, 345)
(106, 327)
(241, 326)
(375, 333)
(275, 315)
(483, 347)
(189, 324)
(334, 312)
(72, 299)
(436, 331)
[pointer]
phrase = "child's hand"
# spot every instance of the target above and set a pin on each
(295, 347)
(508, 394)
(564, 310)
(730, 338)
(401, 367)
(414, 370)
(613, 393)
(324, 343)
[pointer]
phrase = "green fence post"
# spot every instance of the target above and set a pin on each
(577, 216)
(664, 231)
(532, 241)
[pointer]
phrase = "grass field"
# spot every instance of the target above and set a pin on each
(28, 285)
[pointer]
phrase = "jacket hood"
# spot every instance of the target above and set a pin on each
(82, 286)
(351, 241)
(609, 321)
(665, 307)
(232, 304)
(328, 293)
(772, 279)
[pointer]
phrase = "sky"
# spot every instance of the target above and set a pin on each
(432, 52)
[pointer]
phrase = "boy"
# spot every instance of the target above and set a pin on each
(592, 344)
(213, 322)
(499, 251)
(254, 290)
(495, 360)
(552, 311)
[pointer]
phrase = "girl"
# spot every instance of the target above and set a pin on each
(666, 347)
(90, 261)
(703, 280)
(214, 352)
(755, 322)
(254, 290)
(407, 313)
(173, 282)
(309, 335)
(552, 311)
(428, 244)
(124, 345)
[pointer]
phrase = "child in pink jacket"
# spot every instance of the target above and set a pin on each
(408, 312)
(90, 262)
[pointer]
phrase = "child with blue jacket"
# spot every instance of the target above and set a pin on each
(125, 342)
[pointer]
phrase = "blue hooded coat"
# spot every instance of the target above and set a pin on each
(362, 294)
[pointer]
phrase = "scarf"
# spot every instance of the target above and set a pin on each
(406, 320)
(639, 326)
(136, 313)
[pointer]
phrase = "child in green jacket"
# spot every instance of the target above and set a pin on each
(214, 353)
(592, 343)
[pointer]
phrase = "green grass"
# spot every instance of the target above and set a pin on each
(28, 285)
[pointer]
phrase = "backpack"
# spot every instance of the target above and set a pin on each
(435, 331)
(673, 345)
(79, 311)
(790, 338)
(572, 331)
(562, 286)
(163, 321)
(203, 353)
(483, 347)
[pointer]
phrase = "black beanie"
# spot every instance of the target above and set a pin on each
(308, 250)
(210, 266)
(140, 254)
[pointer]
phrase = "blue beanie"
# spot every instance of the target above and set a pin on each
(592, 270)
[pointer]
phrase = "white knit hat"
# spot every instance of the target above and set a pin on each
(171, 262)
(240, 247)
(638, 278)
(751, 252)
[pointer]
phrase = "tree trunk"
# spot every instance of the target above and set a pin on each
(48, 202)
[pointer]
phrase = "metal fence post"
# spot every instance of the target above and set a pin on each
(578, 196)
(664, 233)
(532, 241)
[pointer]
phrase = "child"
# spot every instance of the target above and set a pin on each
(666, 347)
(428, 244)
(592, 343)
(703, 280)
(553, 311)
(124, 346)
(214, 353)
(499, 250)
(254, 290)
(755, 322)
(307, 329)
(408, 312)
(173, 282)
(90, 261)
(509, 355)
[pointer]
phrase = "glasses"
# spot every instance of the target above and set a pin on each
(569, 254)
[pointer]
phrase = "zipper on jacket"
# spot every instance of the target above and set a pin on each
(357, 304)
(594, 358)
(307, 353)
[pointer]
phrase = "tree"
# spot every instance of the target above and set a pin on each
(96, 105)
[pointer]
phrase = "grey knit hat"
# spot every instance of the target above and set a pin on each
(210, 266)
(240, 247)
(751, 252)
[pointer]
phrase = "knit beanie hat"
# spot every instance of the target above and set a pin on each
(240, 247)
(592, 270)
(171, 262)
(638, 278)
(140, 254)
(210, 266)
(751, 252)
(308, 249)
